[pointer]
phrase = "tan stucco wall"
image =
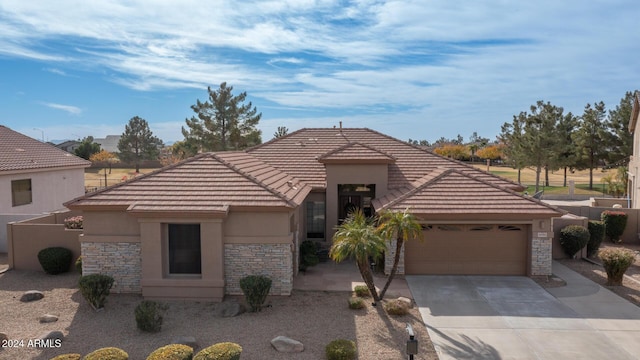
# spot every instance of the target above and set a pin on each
(634, 171)
(351, 174)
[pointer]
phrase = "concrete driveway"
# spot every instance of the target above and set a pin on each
(497, 317)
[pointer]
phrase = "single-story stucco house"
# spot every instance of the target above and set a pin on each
(194, 229)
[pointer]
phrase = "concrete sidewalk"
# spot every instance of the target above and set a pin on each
(509, 317)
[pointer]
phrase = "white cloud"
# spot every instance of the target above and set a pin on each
(74, 110)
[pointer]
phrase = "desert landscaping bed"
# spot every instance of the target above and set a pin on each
(311, 317)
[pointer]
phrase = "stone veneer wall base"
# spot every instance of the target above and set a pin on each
(272, 260)
(122, 261)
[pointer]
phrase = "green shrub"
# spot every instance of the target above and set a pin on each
(255, 289)
(362, 291)
(356, 303)
(149, 316)
(221, 351)
(172, 352)
(614, 224)
(596, 235)
(396, 307)
(616, 261)
(308, 254)
(67, 357)
(108, 353)
(341, 350)
(55, 260)
(573, 238)
(78, 264)
(95, 288)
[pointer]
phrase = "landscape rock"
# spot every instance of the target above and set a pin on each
(48, 318)
(52, 335)
(3, 337)
(406, 300)
(287, 345)
(31, 295)
(186, 340)
(229, 309)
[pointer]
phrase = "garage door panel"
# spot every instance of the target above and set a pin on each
(465, 252)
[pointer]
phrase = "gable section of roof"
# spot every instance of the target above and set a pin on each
(205, 183)
(20, 152)
(355, 152)
(452, 191)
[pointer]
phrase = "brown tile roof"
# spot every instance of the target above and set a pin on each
(451, 191)
(297, 154)
(355, 152)
(210, 182)
(20, 152)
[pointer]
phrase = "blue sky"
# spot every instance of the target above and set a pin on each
(411, 69)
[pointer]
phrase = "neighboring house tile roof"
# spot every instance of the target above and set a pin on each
(297, 154)
(210, 182)
(452, 191)
(357, 153)
(20, 152)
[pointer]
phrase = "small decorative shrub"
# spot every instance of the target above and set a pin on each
(172, 352)
(255, 289)
(614, 224)
(55, 260)
(616, 261)
(74, 222)
(95, 288)
(67, 357)
(362, 291)
(308, 254)
(573, 238)
(149, 316)
(108, 353)
(78, 264)
(596, 235)
(221, 351)
(396, 307)
(356, 303)
(341, 349)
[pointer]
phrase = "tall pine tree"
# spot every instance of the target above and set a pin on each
(137, 143)
(590, 139)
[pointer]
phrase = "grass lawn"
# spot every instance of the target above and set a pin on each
(556, 179)
(95, 177)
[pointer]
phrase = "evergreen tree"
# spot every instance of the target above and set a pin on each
(620, 139)
(564, 147)
(223, 122)
(137, 143)
(282, 131)
(87, 148)
(590, 139)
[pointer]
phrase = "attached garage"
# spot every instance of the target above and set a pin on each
(469, 250)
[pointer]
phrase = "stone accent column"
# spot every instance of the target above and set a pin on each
(541, 259)
(272, 260)
(120, 260)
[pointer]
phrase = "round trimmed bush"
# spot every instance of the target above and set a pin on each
(614, 224)
(255, 289)
(172, 352)
(341, 349)
(220, 351)
(573, 238)
(616, 261)
(95, 288)
(596, 235)
(356, 303)
(362, 291)
(55, 260)
(396, 307)
(67, 357)
(108, 353)
(149, 316)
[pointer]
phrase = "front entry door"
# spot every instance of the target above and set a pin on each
(348, 203)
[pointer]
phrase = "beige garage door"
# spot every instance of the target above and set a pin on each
(469, 250)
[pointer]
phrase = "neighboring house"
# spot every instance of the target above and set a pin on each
(195, 228)
(634, 161)
(69, 146)
(35, 178)
(109, 143)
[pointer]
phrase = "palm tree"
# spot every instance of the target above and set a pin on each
(405, 226)
(357, 238)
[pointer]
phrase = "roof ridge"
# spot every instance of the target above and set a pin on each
(439, 172)
(255, 179)
(350, 144)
